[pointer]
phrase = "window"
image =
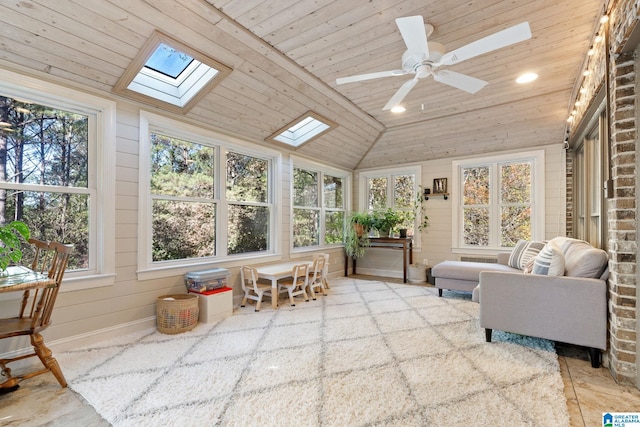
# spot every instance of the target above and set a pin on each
(590, 166)
(305, 128)
(498, 201)
(319, 212)
(170, 73)
(396, 189)
(56, 145)
(204, 199)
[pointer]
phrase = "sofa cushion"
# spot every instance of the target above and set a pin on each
(550, 261)
(582, 259)
(463, 270)
(524, 252)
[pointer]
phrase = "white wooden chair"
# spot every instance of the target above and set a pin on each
(298, 283)
(316, 277)
(325, 272)
(252, 289)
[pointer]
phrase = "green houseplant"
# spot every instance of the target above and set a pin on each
(356, 240)
(10, 239)
(385, 221)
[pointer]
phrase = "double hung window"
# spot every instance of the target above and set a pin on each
(319, 205)
(498, 201)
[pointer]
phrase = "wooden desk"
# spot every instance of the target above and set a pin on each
(405, 244)
(275, 272)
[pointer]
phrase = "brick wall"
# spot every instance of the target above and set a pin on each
(622, 211)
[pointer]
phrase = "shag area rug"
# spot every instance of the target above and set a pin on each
(369, 353)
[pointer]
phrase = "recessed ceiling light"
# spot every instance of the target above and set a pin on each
(398, 109)
(527, 78)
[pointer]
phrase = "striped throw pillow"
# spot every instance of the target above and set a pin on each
(524, 252)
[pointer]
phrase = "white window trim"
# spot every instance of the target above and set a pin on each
(537, 188)
(416, 170)
(103, 112)
(302, 163)
(146, 268)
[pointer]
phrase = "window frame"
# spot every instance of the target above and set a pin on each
(147, 269)
(389, 173)
(537, 159)
(101, 183)
(322, 170)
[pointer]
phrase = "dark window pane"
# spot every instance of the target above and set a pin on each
(334, 227)
(377, 193)
(476, 226)
(58, 217)
(515, 225)
(333, 192)
(305, 188)
(306, 231)
(247, 178)
(248, 229)
(183, 230)
(181, 168)
(515, 183)
(475, 186)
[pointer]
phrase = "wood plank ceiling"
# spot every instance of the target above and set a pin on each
(286, 55)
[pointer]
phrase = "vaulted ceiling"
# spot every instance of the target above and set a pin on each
(286, 56)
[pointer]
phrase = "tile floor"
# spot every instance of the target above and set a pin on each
(590, 392)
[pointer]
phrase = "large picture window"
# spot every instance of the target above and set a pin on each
(205, 199)
(396, 189)
(319, 211)
(52, 151)
(498, 201)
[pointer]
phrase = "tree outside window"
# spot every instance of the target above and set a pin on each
(183, 204)
(395, 191)
(497, 203)
(44, 174)
(249, 210)
(318, 208)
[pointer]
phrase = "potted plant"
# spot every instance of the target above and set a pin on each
(11, 243)
(356, 240)
(420, 210)
(385, 221)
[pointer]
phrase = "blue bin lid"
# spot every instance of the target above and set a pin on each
(213, 273)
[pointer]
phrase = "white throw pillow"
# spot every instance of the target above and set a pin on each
(550, 261)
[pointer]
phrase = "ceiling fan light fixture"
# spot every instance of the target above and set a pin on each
(526, 78)
(398, 109)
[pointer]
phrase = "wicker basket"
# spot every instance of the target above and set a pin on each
(177, 313)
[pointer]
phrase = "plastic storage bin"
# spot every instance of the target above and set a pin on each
(207, 280)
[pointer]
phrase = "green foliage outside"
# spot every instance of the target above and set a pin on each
(44, 146)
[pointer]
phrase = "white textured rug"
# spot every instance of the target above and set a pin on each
(370, 353)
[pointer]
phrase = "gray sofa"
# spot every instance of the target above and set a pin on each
(569, 307)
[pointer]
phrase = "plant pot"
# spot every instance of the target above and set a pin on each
(403, 232)
(359, 229)
(417, 273)
(383, 233)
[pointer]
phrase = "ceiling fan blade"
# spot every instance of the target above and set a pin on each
(501, 39)
(414, 34)
(369, 76)
(460, 81)
(401, 93)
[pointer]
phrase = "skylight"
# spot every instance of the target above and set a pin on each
(168, 61)
(170, 74)
(303, 129)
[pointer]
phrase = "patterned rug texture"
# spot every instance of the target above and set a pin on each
(370, 353)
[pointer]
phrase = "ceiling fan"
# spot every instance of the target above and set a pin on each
(424, 58)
